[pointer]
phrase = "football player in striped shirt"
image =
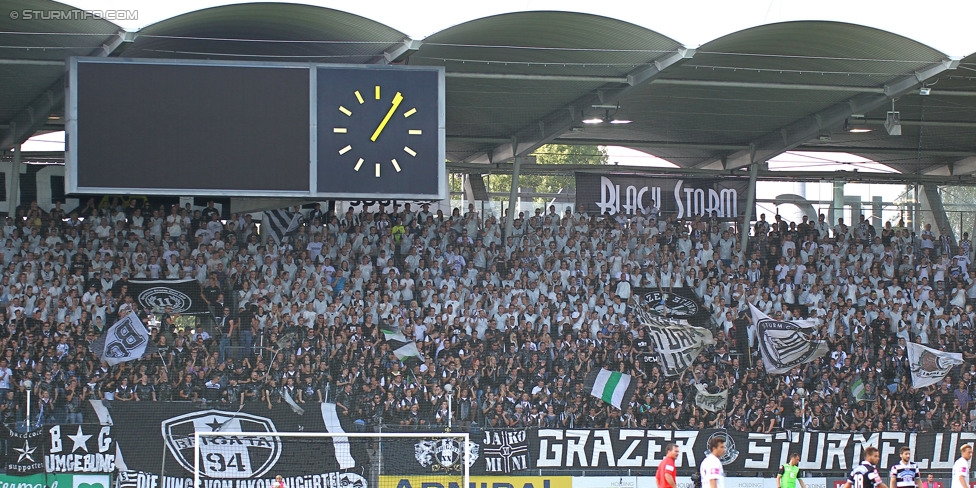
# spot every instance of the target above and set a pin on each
(865, 475)
(905, 474)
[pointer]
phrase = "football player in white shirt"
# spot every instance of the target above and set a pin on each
(960, 470)
(712, 472)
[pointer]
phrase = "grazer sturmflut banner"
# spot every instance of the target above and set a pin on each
(630, 195)
(180, 296)
(228, 461)
(747, 454)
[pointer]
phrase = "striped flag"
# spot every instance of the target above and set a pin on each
(786, 344)
(281, 223)
(613, 387)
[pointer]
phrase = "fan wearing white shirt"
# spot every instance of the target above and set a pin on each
(960, 470)
(712, 472)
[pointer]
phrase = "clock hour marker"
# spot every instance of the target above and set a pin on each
(409, 151)
(377, 95)
(377, 170)
(359, 164)
(359, 96)
(345, 110)
(396, 165)
(410, 112)
(345, 149)
(338, 130)
(415, 132)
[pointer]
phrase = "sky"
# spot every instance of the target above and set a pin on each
(942, 24)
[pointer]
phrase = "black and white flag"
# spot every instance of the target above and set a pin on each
(25, 451)
(713, 402)
(281, 223)
(785, 345)
(172, 296)
(929, 365)
(676, 343)
(677, 303)
(126, 340)
(504, 451)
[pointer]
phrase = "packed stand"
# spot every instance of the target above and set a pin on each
(512, 323)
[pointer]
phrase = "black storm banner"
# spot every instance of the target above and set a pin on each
(630, 195)
(229, 461)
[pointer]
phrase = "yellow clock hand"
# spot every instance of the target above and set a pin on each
(396, 103)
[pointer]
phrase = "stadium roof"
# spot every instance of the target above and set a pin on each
(532, 77)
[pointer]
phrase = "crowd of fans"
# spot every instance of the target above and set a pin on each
(512, 323)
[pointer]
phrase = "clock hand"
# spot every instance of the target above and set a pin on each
(396, 103)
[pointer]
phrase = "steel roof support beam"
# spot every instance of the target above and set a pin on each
(809, 127)
(885, 150)
(30, 62)
(623, 80)
(960, 167)
(933, 200)
(558, 122)
(34, 116)
(400, 53)
(513, 190)
(770, 86)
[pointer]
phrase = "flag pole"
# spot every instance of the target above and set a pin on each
(163, 360)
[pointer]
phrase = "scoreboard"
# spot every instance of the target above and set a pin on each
(215, 128)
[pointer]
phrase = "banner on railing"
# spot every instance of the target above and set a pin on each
(55, 481)
(167, 431)
(388, 481)
(65, 448)
(505, 452)
(745, 452)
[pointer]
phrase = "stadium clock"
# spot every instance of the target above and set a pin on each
(379, 131)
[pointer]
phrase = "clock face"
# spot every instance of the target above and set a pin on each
(379, 132)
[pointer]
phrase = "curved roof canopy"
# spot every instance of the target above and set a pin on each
(530, 78)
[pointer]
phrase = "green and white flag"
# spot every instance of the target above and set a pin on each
(392, 333)
(613, 387)
(857, 390)
(406, 351)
